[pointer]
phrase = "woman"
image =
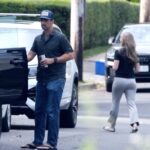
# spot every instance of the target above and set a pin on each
(126, 63)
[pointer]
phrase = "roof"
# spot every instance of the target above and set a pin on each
(21, 25)
(138, 24)
(25, 25)
(19, 14)
(10, 20)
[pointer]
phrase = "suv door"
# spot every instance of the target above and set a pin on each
(0, 119)
(13, 76)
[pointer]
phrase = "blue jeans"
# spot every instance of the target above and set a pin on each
(47, 107)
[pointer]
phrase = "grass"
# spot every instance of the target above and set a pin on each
(94, 51)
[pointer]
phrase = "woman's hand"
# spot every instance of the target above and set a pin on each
(116, 65)
(137, 68)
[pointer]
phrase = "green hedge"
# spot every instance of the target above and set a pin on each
(97, 24)
(103, 18)
(122, 13)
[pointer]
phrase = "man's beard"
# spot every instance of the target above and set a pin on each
(44, 27)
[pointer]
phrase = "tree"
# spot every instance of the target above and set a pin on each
(144, 11)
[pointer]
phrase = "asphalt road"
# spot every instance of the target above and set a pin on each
(94, 106)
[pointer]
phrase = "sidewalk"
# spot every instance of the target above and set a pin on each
(90, 78)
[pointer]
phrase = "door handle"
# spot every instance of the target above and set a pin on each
(17, 61)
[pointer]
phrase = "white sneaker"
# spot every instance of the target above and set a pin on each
(109, 128)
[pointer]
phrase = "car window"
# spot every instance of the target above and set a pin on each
(19, 37)
(8, 38)
(12, 37)
(141, 34)
(26, 37)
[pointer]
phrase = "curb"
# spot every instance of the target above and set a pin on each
(86, 86)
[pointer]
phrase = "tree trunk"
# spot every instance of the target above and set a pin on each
(144, 11)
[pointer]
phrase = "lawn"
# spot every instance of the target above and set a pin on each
(94, 51)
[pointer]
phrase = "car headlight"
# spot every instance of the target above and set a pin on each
(110, 53)
(32, 71)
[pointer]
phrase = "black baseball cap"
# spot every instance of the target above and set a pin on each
(47, 14)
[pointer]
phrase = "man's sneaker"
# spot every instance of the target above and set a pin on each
(109, 128)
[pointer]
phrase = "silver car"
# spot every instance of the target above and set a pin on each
(141, 33)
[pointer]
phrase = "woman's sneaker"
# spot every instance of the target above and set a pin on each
(134, 128)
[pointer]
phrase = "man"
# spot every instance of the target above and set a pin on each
(53, 50)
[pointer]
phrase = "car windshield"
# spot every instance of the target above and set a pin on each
(19, 37)
(141, 34)
(13, 37)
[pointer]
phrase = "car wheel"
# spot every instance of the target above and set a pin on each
(6, 121)
(109, 82)
(68, 118)
(0, 119)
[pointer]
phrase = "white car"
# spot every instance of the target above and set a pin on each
(20, 34)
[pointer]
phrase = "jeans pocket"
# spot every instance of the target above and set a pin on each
(56, 84)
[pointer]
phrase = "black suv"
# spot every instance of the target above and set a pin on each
(141, 33)
(13, 77)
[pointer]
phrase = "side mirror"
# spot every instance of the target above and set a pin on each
(111, 40)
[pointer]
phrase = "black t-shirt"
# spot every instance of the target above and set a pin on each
(54, 46)
(126, 65)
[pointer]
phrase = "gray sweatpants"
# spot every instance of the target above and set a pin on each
(128, 87)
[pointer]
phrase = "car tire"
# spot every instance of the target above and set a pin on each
(109, 82)
(6, 121)
(68, 118)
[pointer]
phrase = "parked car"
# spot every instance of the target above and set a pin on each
(13, 78)
(13, 36)
(141, 33)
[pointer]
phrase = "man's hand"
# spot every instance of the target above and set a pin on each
(31, 55)
(47, 61)
(61, 59)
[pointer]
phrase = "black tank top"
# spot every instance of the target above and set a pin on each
(126, 65)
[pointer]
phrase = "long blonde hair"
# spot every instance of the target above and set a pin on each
(127, 42)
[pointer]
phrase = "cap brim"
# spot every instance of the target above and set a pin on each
(46, 18)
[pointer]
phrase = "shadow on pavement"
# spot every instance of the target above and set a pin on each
(22, 127)
(143, 90)
(27, 127)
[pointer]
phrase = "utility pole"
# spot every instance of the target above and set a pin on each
(77, 32)
(144, 11)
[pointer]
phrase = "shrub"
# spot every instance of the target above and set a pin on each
(122, 13)
(106, 18)
(97, 24)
